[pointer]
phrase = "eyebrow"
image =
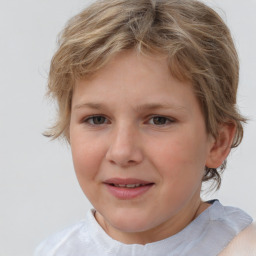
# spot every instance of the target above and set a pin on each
(139, 108)
(152, 106)
(91, 105)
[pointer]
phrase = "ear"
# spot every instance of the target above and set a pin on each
(221, 145)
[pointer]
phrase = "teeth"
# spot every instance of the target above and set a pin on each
(132, 185)
(128, 185)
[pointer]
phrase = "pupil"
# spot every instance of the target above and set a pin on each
(98, 120)
(159, 120)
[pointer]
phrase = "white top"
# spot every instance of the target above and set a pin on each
(207, 235)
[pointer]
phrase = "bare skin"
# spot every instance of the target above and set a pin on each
(140, 147)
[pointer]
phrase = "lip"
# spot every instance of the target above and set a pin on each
(126, 181)
(127, 193)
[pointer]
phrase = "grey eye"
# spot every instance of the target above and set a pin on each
(159, 120)
(98, 120)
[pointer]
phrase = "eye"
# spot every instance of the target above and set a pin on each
(96, 120)
(160, 120)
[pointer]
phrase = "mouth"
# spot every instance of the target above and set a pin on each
(128, 185)
(125, 189)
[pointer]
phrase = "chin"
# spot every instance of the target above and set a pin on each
(130, 223)
(130, 227)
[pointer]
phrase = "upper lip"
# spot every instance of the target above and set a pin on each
(126, 181)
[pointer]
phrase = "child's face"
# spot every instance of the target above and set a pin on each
(133, 123)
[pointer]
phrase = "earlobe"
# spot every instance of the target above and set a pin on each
(221, 146)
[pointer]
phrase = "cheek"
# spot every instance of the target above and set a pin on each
(182, 160)
(86, 161)
(87, 155)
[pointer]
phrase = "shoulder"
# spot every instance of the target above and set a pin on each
(228, 219)
(243, 244)
(55, 244)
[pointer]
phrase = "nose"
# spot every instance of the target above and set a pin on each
(124, 148)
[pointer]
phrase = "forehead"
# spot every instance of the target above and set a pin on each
(131, 79)
(133, 59)
(132, 64)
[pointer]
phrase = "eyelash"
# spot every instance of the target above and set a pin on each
(91, 120)
(167, 120)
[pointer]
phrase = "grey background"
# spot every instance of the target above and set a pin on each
(39, 193)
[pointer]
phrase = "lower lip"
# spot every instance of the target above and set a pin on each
(128, 193)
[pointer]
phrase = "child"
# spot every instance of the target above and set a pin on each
(147, 100)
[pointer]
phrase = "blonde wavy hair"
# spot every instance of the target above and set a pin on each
(193, 36)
